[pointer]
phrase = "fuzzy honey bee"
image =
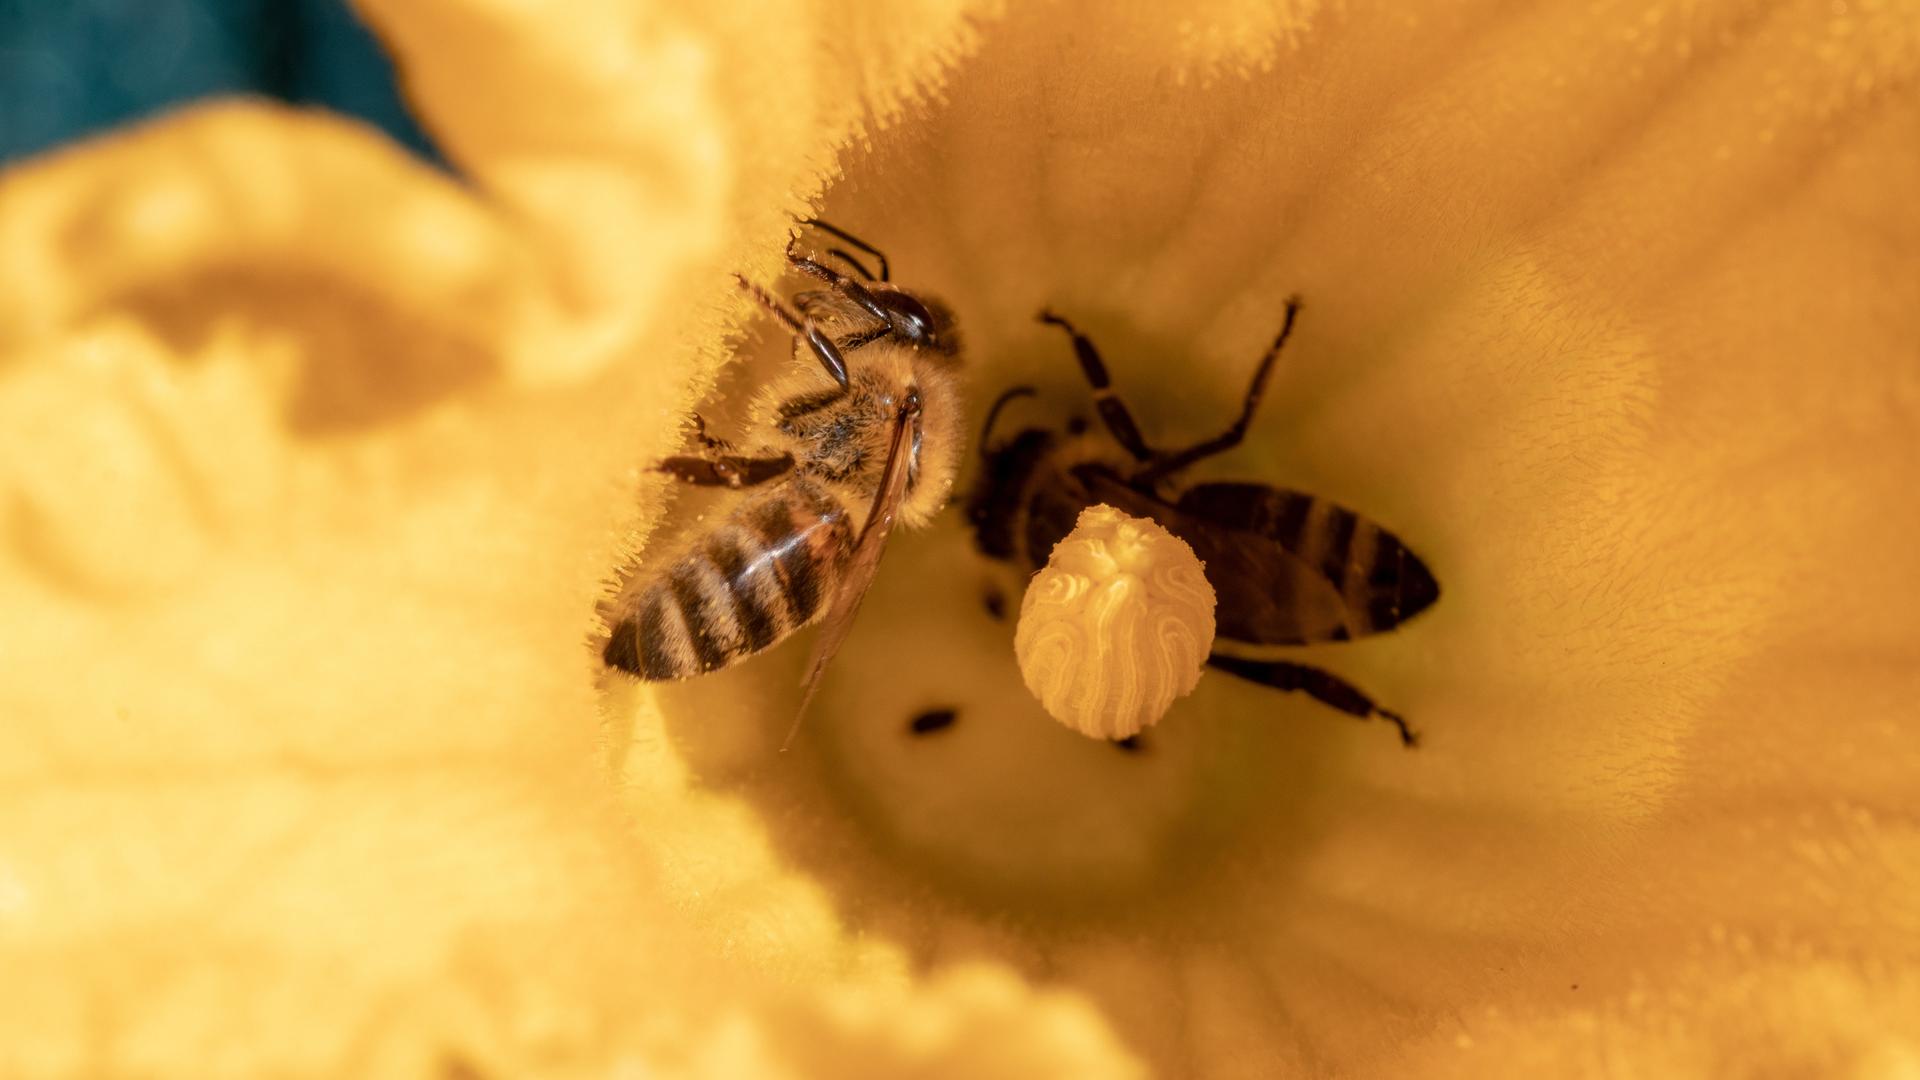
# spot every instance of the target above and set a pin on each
(1288, 568)
(829, 467)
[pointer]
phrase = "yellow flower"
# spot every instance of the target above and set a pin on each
(313, 464)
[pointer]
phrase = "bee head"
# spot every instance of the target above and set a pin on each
(922, 322)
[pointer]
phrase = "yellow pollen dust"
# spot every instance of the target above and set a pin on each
(1116, 626)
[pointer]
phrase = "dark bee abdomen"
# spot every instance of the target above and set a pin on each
(998, 500)
(740, 589)
(1052, 510)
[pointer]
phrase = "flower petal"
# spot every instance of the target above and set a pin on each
(1607, 313)
(314, 467)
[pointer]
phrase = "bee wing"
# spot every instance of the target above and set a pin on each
(847, 323)
(863, 563)
(819, 304)
(1379, 582)
(1267, 594)
(833, 312)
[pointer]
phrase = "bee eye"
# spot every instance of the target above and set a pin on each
(910, 318)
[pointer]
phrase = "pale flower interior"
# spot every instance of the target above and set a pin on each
(1565, 384)
(316, 464)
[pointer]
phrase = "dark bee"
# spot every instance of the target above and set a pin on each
(1288, 568)
(834, 463)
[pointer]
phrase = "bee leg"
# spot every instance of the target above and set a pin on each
(843, 234)
(845, 286)
(842, 254)
(727, 470)
(1113, 411)
(1230, 438)
(1322, 686)
(804, 328)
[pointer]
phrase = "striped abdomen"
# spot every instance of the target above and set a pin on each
(744, 587)
(1288, 568)
(1380, 582)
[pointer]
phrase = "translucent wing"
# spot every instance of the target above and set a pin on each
(833, 312)
(821, 305)
(1267, 595)
(1380, 583)
(847, 323)
(864, 562)
(1289, 568)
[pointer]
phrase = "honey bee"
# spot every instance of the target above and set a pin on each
(1288, 568)
(833, 464)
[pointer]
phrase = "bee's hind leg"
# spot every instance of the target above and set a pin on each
(726, 470)
(1322, 686)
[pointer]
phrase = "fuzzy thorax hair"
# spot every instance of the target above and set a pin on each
(840, 438)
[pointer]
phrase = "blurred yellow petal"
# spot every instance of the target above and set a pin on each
(310, 485)
(637, 143)
(327, 216)
(314, 462)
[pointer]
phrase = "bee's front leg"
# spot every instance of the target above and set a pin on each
(804, 329)
(1166, 464)
(726, 470)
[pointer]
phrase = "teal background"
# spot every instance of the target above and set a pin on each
(69, 68)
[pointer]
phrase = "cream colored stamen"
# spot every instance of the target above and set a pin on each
(1116, 626)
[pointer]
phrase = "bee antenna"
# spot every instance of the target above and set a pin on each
(843, 234)
(858, 266)
(802, 327)
(993, 413)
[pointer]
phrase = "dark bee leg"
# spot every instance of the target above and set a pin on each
(1113, 412)
(835, 230)
(1226, 440)
(727, 470)
(842, 254)
(816, 338)
(898, 313)
(842, 284)
(1322, 686)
